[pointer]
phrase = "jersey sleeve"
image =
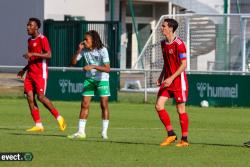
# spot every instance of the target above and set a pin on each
(45, 44)
(79, 56)
(105, 56)
(182, 51)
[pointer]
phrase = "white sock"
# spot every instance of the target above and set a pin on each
(105, 125)
(39, 124)
(82, 124)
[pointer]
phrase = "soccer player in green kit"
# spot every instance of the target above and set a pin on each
(97, 68)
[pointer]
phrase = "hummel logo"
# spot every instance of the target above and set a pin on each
(201, 87)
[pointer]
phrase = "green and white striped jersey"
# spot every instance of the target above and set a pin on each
(97, 57)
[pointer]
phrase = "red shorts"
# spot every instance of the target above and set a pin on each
(179, 96)
(35, 84)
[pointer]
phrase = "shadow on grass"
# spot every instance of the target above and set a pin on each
(37, 134)
(5, 128)
(117, 142)
(90, 139)
(156, 144)
(216, 144)
(98, 140)
(27, 133)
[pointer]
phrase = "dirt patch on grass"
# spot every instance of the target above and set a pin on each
(10, 85)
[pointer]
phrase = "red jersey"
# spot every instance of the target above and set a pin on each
(173, 53)
(38, 67)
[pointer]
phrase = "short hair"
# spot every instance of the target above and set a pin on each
(172, 23)
(96, 40)
(38, 22)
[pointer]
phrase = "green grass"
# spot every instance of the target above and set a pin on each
(216, 137)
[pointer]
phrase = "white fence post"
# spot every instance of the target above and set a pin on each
(243, 44)
(188, 42)
(145, 87)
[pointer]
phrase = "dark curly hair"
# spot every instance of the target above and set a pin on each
(96, 40)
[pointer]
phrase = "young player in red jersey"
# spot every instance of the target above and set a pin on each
(173, 82)
(36, 77)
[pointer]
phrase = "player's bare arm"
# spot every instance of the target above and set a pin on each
(74, 57)
(104, 68)
(159, 80)
(20, 74)
(182, 68)
(22, 71)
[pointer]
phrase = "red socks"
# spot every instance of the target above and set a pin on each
(54, 112)
(184, 124)
(163, 114)
(35, 115)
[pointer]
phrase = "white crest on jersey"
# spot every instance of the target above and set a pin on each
(170, 51)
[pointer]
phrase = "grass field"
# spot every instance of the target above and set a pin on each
(216, 137)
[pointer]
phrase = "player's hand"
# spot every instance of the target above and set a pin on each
(81, 46)
(158, 82)
(167, 82)
(88, 67)
(20, 74)
(27, 55)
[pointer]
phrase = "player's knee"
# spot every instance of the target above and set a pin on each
(41, 97)
(104, 103)
(29, 97)
(158, 107)
(181, 111)
(180, 108)
(85, 105)
(104, 106)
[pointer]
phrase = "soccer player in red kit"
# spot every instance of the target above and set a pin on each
(36, 77)
(173, 82)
